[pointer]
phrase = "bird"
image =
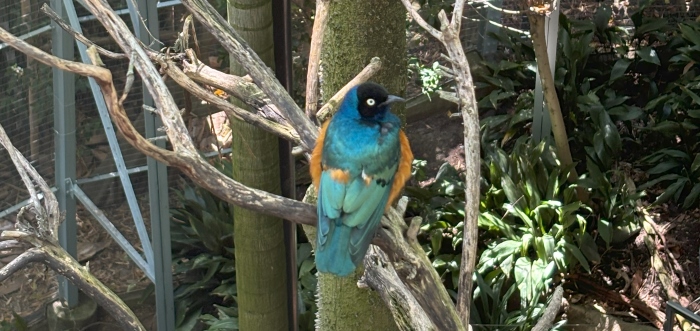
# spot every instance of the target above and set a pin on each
(359, 165)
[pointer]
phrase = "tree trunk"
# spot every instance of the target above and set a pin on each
(356, 32)
(259, 239)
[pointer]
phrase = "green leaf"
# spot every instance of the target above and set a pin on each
(626, 113)
(671, 190)
(693, 95)
(619, 68)
(663, 167)
(588, 247)
(578, 255)
(667, 127)
(648, 54)
(689, 33)
(696, 164)
(658, 180)
(650, 25)
(692, 197)
(605, 230)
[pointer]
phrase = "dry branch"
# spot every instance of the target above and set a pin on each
(261, 74)
(375, 64)
(39, 225)
(320, 22)
(449, 37)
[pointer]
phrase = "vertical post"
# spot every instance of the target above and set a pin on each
(157, 182)
(541, 124)
(281, 25)
(65, 149)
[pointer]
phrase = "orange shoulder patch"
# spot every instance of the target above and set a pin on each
(403, 173)
(340, 176)
(315, 166)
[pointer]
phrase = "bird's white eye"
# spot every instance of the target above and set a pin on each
(370, 102)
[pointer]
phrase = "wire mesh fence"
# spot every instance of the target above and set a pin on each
(26, 113)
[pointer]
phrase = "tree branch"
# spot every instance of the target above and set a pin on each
(550, 313)
(242, 88)
(381, 277)
(421, 22)
(62, 263)
(375, 64)
(261, 74)
(78, 36)
(280, 130)
(320, 22)
(449, 37)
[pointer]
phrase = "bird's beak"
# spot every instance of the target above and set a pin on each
(391, 99)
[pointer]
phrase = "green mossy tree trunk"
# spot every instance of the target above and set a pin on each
(259, 239)
(356, 32)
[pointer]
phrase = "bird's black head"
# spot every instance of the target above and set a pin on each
(373, 98)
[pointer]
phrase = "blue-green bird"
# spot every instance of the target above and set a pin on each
(359, 165)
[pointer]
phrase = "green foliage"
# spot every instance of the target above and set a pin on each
(427, 77)
(306, 287)
(674, 117)
(203, 260)
(17, 324)
(204, 265)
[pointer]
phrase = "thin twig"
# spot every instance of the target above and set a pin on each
(320, 22)
(129, 82)
(78, 36)
(421, 22)
(332, 105)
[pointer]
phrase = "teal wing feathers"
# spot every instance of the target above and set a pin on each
(349, 215)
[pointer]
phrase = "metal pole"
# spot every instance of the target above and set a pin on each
(281, 19)
(145, 23)
(65, 150)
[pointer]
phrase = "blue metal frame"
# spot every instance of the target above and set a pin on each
(65, 149)
(673, 308)
(146, 28)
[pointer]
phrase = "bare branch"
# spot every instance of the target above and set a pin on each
(421, 22)
(129, 82)
(78, 36)
(261, 74)
(62, 263)
(280, 130)
(242, 88)
(550, 313)
(187, 159)
(332, 105)
(48, 215)
(320, 22)
(457, 11)
(381, 277)
(449, 37)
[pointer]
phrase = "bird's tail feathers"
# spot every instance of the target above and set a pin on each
(334, 257)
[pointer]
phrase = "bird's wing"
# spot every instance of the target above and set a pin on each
(356, 203)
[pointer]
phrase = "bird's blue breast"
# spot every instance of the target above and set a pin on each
(356, 144)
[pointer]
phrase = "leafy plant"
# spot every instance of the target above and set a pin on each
(203, 260)
(427, 77)
(17, 324)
